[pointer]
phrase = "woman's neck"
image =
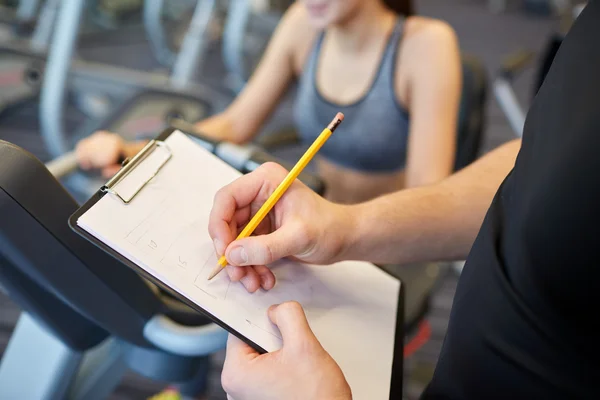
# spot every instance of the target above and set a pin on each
(359, 29)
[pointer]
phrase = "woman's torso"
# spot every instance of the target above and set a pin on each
(366, 156)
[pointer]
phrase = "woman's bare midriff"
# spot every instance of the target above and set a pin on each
(349, 187)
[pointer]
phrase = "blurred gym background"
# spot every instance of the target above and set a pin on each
(510, 37)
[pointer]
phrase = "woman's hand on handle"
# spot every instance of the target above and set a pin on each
(104, 151)
(302, 225)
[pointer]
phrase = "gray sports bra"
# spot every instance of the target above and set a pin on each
(374, 135)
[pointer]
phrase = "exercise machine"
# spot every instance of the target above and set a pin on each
(18, 15)
(517, 63)
(144, 109)
(161, 23)
(245, 37)
(86, 318)
(118, 84)
(21, 58)
(146, 101)
(543, 7)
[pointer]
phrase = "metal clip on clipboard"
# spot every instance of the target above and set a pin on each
(130, 164)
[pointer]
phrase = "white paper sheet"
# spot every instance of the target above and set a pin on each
(351, 306)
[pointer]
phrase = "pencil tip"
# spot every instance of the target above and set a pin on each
(215, 272)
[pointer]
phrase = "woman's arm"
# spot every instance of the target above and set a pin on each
(241, 121)
(434, 88)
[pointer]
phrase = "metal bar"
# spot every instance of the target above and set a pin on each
(54, 86)
(155, 31)
(27, 9)
(101, 370)
(193, 46)
(63, 165)
(40, 39)
(129, 165)
(233, 40)
(509, 103)
(34, 353)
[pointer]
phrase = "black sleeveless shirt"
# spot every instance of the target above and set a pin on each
(523, 323)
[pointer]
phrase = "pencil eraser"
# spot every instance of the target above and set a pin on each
(340, 116)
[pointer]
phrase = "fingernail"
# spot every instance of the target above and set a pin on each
(238, 255)
(218, 246)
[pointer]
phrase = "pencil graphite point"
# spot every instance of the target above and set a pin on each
(222, 263)
(215, 272)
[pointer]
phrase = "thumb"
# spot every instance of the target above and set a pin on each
(265, 249)
(293, 325)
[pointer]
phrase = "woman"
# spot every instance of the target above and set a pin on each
(396, 77)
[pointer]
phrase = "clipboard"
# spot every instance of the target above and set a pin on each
(109, 189)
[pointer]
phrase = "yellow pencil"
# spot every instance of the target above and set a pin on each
(283, 186)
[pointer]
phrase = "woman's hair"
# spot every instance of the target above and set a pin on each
(401, 7)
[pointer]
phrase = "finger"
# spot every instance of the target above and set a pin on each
(81, 154)
(265, 227)
(239, 194)
(292, 323)
(236, 273)
(221, 219)
(237, 358)
(267, 278)
(84, 163)
(290, 239)
(251, 281)
(233, 228)
(257, 186)
(242, 216)
(238, 351)
(265, 275)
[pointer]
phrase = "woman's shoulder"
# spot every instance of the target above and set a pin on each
(298, 30)
(427, 35)
(428, 46)
(296, 23)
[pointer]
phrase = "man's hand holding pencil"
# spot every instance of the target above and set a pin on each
(302, 225)
(286, 218)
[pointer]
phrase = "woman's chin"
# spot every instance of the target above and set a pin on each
(320, 22)
(319, 25)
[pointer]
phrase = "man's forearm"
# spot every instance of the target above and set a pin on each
(433, 223)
